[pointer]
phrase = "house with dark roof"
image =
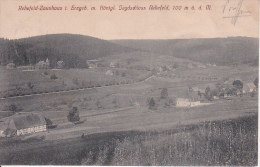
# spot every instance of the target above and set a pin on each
(22, 124)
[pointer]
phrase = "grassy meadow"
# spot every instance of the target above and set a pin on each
(220, 143)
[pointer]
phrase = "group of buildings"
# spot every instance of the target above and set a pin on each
(194, 95)
(40, 65)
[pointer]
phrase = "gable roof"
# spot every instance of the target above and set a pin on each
(249, 86)
(10, 64)
(22, 121)
(40, 63)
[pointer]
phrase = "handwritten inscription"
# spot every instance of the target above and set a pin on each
(235, 11)
(152, 7)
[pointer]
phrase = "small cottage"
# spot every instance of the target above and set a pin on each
(43, 64)
(60, 64)
(10, 66)
(249, 87)
(109, 72)
(40, 65)
(93, 63)
(183, 102)
(112, 65)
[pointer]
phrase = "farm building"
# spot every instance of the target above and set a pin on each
(93, 63)
(201, 66)
(22, 124)
(60, 64)
(10, 66)
(109, 72)
(40, 65)
(25, 67)
(249, 87)
(112, 65)
(183, 102)
(43, 64)
(190, 98)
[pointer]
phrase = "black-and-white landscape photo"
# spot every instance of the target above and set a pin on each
(152, 94)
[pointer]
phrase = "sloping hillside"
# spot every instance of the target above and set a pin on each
(222, 51)
(74, 50)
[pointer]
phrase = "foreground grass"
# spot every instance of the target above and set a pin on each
(232, 142)
(221, 143)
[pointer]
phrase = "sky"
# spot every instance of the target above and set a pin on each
(131, 24)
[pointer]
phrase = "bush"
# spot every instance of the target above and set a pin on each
(152, 104)
(13, 108)
(30, 85)
(53, 76)
(164, 93)
(75, 81)
(73, 115)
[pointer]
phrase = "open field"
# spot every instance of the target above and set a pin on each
(19, 83)
(229, 142)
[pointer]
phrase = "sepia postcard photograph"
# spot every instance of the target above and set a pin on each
(129, 82)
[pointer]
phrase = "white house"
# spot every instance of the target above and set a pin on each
(43, 64)
(183, 102)
(93, 63)
(112, 65)
(249, 87)
(10, 66)
(201, 66)
(109, 72)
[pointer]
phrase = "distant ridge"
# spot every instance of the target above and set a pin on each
(222, 51)
(74, 50)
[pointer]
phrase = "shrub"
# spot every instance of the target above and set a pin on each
(53, 76)
(123, 74)
(164, 93)
(75, 81)
(152, 104)
(30, 85)
(73, 115)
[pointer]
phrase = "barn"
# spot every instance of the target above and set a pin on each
(22, 124)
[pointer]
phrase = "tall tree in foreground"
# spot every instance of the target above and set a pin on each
(164, 93)
(152, 104)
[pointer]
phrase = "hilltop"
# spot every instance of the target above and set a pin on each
(222, 51)
(74, 50)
